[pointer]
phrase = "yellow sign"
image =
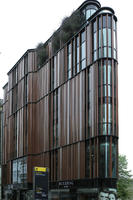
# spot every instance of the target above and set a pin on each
(40, 169)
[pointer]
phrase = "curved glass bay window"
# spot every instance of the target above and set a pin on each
(89, 10)
(105, 97)
(104, 37)
(105, 150)
(107, 157)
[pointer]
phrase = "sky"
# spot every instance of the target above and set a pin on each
(25, 23)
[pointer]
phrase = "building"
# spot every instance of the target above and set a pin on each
(60, 110)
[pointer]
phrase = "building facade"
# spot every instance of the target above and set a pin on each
(63, 113)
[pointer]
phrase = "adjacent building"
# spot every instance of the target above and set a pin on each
(60, 110)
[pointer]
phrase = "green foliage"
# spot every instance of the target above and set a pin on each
(69, 26)
(56, 41)
(42, 54)
(124, 179)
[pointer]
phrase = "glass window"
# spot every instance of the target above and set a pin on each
(109, 52)
(83, 64)
(99, 22)
(82, 37)
(104, 73)
(94, 27)
(109, 21)
(83, 51)
(77, 57)
(95, 55)
(109, 37)
(93, 11)
(69, 62)
(104, 91)
(104, 113)
(109, 72)
(109, 113)
(88, 14)
(105, 52)
(99, 52)
(109, 90)
(114, 24)
(95, 41)
(109, 128)
(99, 43)
(104, 158)
(114, 157)
(74, 71)
(104, 37)
(104, 21)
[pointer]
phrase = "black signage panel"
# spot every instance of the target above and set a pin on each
(40, 183)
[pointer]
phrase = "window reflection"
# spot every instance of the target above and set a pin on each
(69, 62)
(83, 50)
(104, 157)
(77, 58)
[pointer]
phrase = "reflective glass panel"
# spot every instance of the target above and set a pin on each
(109, 113)
(99, 52)
(99, 22)
(109, 37)
(82, 37)
(109, 22)
(88, 14)
(104, 129)
(95, 43)
(114, 157)
(104, 158)
(109, 72)
(94, 26)
(83, 52)
(104, 21)
(78, 55)
(93, 11)
(99, 42)
(104, 113)
(109, 91)
(104, 37)
(114, 53)
(77, 67)
(104, 91)
(109, 52)
(95, 55)
(109, 129)
(69, 74)
(104, 73)
(105, 52)
(83, 64)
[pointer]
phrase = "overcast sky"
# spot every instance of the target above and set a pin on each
(25, 23)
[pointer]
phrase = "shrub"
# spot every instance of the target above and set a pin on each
(42, 54)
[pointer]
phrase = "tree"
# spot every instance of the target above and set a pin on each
(124, 179)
